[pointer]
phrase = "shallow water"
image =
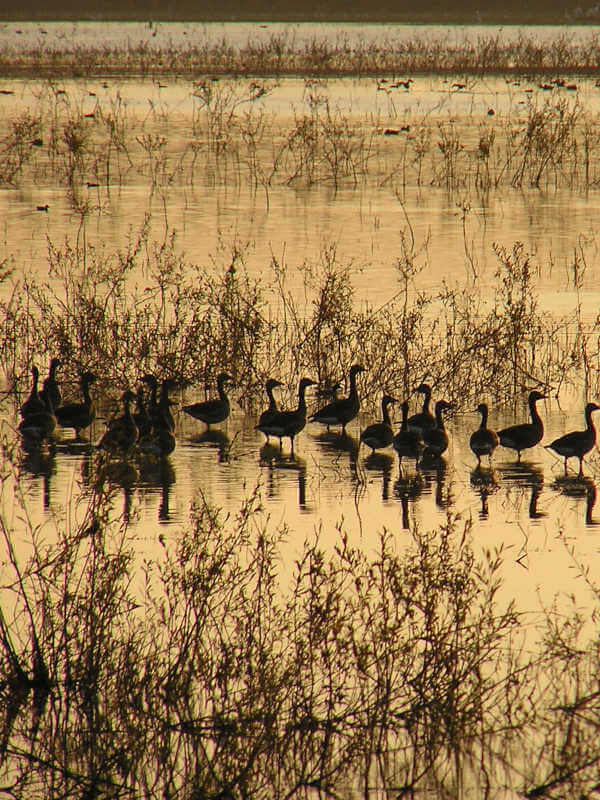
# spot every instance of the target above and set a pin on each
(524, 508)
(530, 509)
(210, 210)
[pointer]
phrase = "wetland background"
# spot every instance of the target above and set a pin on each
(235, 621)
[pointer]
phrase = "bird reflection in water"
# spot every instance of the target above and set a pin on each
(114, 473)
(40, 462)
(158, 473)
(522, 475)
(336, 445)
(408, 488)
(78, 450)
(381, 463)
(215, 438)
(277, 461)
(434, 471)
(484, 482)
(578, 487)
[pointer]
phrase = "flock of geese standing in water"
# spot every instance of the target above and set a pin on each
(150, 427)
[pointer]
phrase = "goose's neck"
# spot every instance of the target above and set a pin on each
(272, 403)
(353, 392)
(87, 399)
(404, 425)
(221, 390)
(535, 417)
(439, 419)
(484, 417)
(302, 399)
(164, 400)
(153, 391)
(589, 420)
(426, 401)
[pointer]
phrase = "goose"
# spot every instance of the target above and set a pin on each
(407, 443)
(38, 425)
(50, 393)
(122, 432)
(484, 440)
(160, 441)
(78, 415)
(152, 384)
(141, 415)
(436, 439)
(380, 434)
(163, 415)
(34, 403)
(266, 416)
(160, 409)
(290, 423)
(424, 420)
(527, 434)
(577, 443)
(344, 410)
(212, 411)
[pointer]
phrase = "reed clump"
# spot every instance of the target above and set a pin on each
(145, 308)
(19, 145)
(285, 53)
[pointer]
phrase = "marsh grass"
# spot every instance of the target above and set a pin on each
(145, 308)
(285, 54)
(213, 672)
(550, 142)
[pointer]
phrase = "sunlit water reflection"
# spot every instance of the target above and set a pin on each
(531, 510)
(293, 223)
